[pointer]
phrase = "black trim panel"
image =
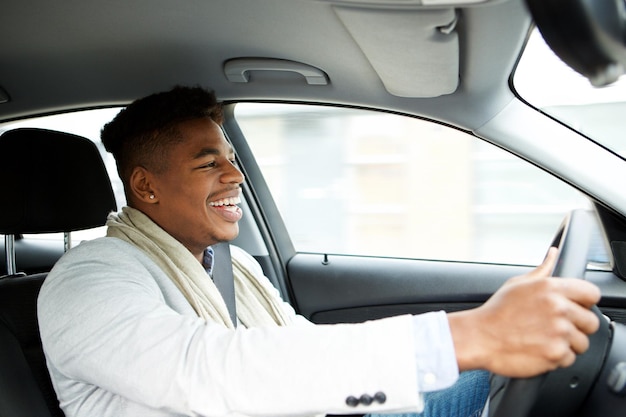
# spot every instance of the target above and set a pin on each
(336, 289)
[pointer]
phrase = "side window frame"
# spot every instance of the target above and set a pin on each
(263, 216)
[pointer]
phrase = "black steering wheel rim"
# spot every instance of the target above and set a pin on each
(566, 387)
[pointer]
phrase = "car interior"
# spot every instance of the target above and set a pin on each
(324, 66)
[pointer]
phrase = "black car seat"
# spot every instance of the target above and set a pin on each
(52, 182)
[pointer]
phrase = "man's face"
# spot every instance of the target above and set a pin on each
(197, 193)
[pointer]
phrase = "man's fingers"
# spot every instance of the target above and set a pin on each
(581, 292)
(579, 342)
(547, 266)
(583, 319)
(552, 314)
(568, 359)
(562, 350)
(588, 322)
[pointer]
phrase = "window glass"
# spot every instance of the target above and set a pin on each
(87, 124)
(358, 182)
(546, 82)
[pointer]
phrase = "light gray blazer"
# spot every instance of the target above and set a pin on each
(121, 340)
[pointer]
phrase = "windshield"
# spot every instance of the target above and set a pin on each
(547, 83)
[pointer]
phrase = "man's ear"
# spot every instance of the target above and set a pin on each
(141, 185)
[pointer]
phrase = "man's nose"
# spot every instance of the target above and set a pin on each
(233, 174)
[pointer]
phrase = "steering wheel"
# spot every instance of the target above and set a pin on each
(560, 392)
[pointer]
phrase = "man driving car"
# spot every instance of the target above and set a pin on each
(133, 324)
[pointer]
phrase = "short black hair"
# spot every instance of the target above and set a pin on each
(141, 133)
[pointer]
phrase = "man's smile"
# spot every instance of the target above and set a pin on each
(229, 201)
(227, 208)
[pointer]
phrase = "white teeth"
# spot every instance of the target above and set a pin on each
(225, 202)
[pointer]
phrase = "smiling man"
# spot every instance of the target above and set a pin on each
(133, 325)
(199, 203)
(181, 175)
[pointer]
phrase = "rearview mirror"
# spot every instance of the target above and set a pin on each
(588, 35)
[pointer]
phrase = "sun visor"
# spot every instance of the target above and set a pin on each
(414, 52)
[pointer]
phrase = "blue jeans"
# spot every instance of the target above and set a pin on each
(466, 398)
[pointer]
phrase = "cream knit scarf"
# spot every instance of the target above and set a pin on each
(257, 304)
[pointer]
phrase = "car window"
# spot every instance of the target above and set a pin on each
(87, 124)
(546, 82)
(359, 182)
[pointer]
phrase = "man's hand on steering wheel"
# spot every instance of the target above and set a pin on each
(533, 324)
(537, 325)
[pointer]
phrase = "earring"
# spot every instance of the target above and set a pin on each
(151, 197)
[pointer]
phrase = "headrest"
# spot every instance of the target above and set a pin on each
(51, 182)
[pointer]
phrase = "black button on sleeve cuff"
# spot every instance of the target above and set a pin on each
(380, 397)
(366, 399)
(352, 401)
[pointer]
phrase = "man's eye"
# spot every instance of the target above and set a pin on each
(209, 165)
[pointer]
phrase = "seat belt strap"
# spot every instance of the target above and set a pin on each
(222, 274)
